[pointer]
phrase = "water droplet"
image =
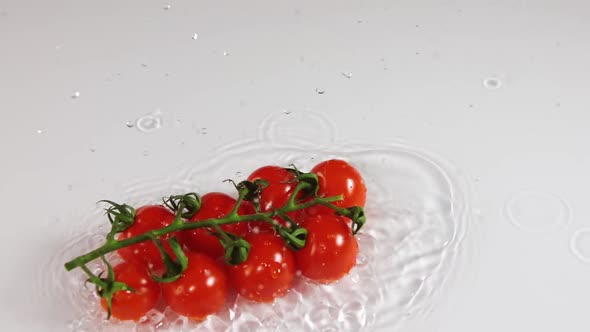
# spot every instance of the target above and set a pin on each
(167, 7)
(361, 260)
(76, 94)
(225, 53)
(320, 91)
(144, 65)
(203, 131)
(287, 112)
(145, 153)
(149, 123)
(492, 83)
(129, 124)
(40, 131)
(92, 150)
(359, 21)
(580, 244)
(534, 211)
(195, 36)
(347, 74)
(238, 174)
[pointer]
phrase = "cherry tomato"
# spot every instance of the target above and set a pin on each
(132, 305)
(337, 177)
(213, 205)
(147, 218)
(330, 250)
(281, 183)
(200, 291)
(267, 273)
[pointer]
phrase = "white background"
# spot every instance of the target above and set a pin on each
(72, 73)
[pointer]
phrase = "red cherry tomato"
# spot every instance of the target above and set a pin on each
(330, 250)
(132, 305)
(147, 218)
(213, 205)
(200, 291)
(281, 183)
(337, 177)
(267, 273)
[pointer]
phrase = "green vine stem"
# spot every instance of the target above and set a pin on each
(113, 244)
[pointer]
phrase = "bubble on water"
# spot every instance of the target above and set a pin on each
(535, 211)
(347, 74)
(320, 91)
(580, 245)
(492, 83)
(75, 95)
(149, 123)
(195, 36)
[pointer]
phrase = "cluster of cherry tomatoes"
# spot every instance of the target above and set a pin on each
(268, 272)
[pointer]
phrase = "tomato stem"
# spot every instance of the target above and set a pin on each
(114, 245)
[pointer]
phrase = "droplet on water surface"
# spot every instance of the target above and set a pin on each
(148, 123)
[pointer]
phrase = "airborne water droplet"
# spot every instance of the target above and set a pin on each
(492, 83)
(195, 36)
(40, 131)
(129, 124)
(225, 53)
(166, 7)
(347, 74)
(76, 94)
(320, 91)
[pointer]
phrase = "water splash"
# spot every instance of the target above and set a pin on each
(417, 210)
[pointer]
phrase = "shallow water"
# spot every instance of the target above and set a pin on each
(417, 215)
